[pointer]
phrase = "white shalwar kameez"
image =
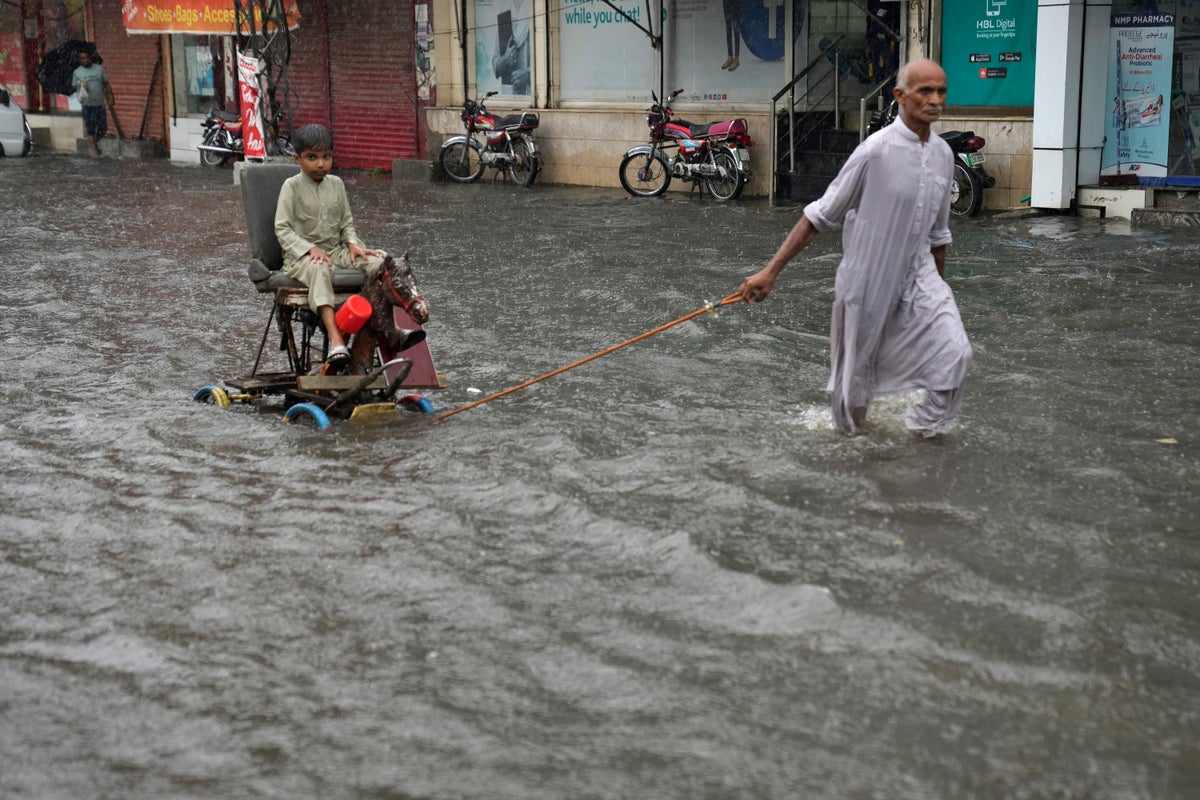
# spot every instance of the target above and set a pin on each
(895, 326)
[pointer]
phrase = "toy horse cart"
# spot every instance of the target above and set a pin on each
(389, 356)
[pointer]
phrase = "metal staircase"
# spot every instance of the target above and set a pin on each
(809, 140)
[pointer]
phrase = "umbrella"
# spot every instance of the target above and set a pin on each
(54, 73)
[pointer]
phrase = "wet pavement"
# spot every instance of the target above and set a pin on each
(659, 575)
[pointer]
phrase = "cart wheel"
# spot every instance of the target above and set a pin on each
(212, 395)
(415, 402)
(310, 410)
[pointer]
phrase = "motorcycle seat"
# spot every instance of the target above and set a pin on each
(957, 139)
(695, 131)
(511, 122)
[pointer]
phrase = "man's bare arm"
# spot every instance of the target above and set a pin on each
(760, 284)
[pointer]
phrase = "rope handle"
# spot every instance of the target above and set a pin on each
(707, 308)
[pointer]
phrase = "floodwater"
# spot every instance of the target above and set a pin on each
(660, 575)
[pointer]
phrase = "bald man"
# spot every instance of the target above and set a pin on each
(895, 326)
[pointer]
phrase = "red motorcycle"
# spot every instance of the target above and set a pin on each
(507, 145)
(716, 154)
(223, 139)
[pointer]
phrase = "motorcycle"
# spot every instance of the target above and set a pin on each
(507, 145)
(970, 178)
(716, 154)
(223, 139)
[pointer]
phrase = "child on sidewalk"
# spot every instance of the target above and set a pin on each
(316, 230)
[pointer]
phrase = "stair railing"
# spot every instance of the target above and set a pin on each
(862, 104)
(790, 89)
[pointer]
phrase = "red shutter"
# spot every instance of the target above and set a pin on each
(129, 64)
(373, 82)
(305, 90)
(353, 69)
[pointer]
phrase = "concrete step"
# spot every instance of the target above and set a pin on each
(802, 187)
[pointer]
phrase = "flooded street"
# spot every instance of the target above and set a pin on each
(659, 576)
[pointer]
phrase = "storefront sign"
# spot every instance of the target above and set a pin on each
(728, 51)
(981, 32)
(1139, 90)
(194, 16)
(252, 126)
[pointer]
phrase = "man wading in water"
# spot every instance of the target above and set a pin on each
(895, 326)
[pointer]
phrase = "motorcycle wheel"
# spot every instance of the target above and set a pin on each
(966, 193)
(645, 175)
(461, 162)
(524, 167)
(207, 157)
(727, 183)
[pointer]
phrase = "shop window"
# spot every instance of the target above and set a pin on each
(200, 66)
(27, 32)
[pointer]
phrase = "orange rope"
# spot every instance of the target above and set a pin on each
(708, 307)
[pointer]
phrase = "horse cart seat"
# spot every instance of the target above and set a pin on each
(260, 195)
(261, 184)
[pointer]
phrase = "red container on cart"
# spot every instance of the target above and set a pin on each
(353, 314)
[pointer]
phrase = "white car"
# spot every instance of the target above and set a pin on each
(16, 137)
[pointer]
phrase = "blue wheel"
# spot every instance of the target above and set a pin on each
(415, 402)
(315, 412)
(212, 395)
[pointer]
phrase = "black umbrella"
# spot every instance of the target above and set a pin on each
(54, 73)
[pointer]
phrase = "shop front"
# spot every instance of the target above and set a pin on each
(1118, 104)
(590, 66)
(352, 65)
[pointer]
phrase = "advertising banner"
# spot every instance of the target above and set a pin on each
(216, 17)
(717, 50)
(502, 62)
(12, 66)
(988, 52)
(248, 88)
(1136, 129)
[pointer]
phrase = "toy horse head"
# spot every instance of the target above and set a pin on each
(400, 287)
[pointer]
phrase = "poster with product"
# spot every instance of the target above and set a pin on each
(604, 56)
(715, 50)
(1136, 126)
(502, 60)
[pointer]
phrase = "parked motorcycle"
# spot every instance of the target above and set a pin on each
(223, 139)
(502, 143)
(970, 178)
(716, 154)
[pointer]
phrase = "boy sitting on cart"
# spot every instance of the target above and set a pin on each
(316, 231)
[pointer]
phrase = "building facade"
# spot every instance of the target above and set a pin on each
(347, 64)
(1045, 82)
(589, 67)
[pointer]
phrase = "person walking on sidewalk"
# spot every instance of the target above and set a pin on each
(895, 326)
(91, 83)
